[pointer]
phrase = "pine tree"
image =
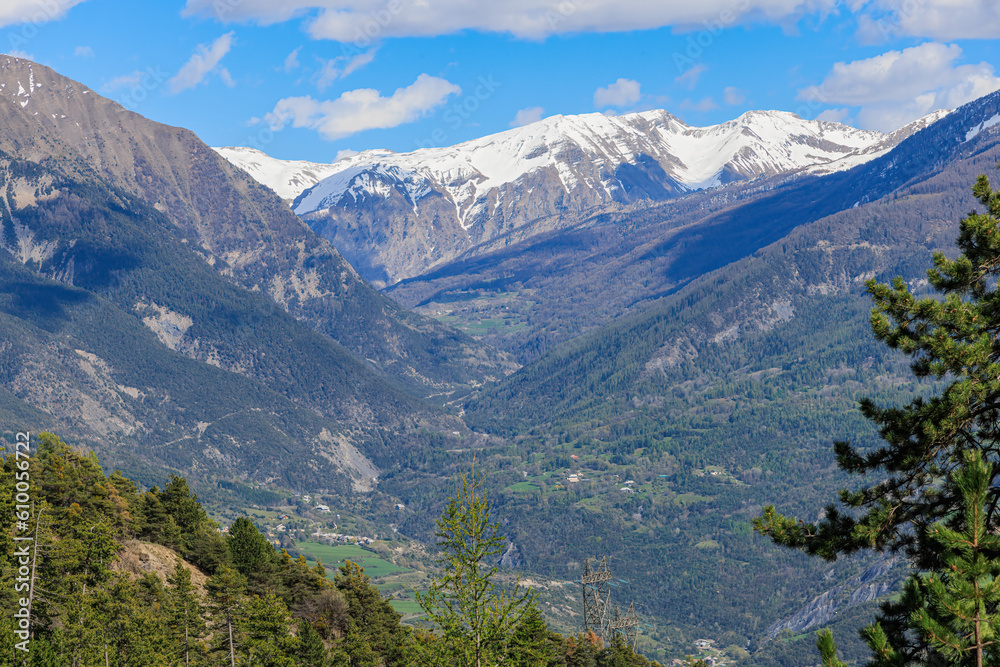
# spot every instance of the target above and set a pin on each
(226, 591)
(248, 548)
(531, 644)
(476, 619)
(929, 441)
(954, 337)
(354, 650)
(828, 649)
(265, 626)
(961, 618)
(374, 617)
(185, 615)
(312, 652)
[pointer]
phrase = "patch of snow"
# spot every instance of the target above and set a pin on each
(989, 122)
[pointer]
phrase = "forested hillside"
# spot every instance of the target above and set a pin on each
(222, 598)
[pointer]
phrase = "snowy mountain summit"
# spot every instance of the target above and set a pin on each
(614, 155)
(437, 203)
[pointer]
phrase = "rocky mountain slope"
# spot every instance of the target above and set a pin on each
(161, 307)
(395, 216)
(242, 229)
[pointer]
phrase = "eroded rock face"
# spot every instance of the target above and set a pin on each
(872, 584)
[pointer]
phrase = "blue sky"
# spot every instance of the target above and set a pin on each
(314, 78)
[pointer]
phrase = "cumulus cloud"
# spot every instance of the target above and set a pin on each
(204, 61)
(345, 153)
(733, 96)
(527, 116)
(938, 19)
(897, 87)
(84, 52)
(689, 79)
(363, 22)
(621, 93)
(363, 109)
(33, 11)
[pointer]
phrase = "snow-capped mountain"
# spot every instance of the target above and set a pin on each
(397, 215)
(288, 178)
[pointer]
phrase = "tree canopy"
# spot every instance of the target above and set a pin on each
(934, 495)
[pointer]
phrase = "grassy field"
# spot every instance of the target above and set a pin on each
(334, 555)
(408, 608)
(523, 487)
(690, 498)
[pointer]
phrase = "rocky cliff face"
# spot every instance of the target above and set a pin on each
(875, 582)
(242, 228)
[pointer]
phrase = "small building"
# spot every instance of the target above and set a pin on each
(630, 482)
(627, 489)
(323, 508)
(400, 506)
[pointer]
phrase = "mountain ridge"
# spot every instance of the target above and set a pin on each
(241, 228)
(398, 215)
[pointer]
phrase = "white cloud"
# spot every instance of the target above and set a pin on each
(292, 60)
(733, 96)
(527, 116)
(132, 80)
(327, 74)
(704, 104)
(690, 78)
(84, 52)
(33, 11)
(364, 22)
(345, 153)
(357, 62)
(621, 93)
(897, 87)
(363, 109)
(16, 53)
(937, 19)
(201, 64)
(835, 115)
(340, 67)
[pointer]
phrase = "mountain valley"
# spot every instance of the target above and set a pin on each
(628, 313)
